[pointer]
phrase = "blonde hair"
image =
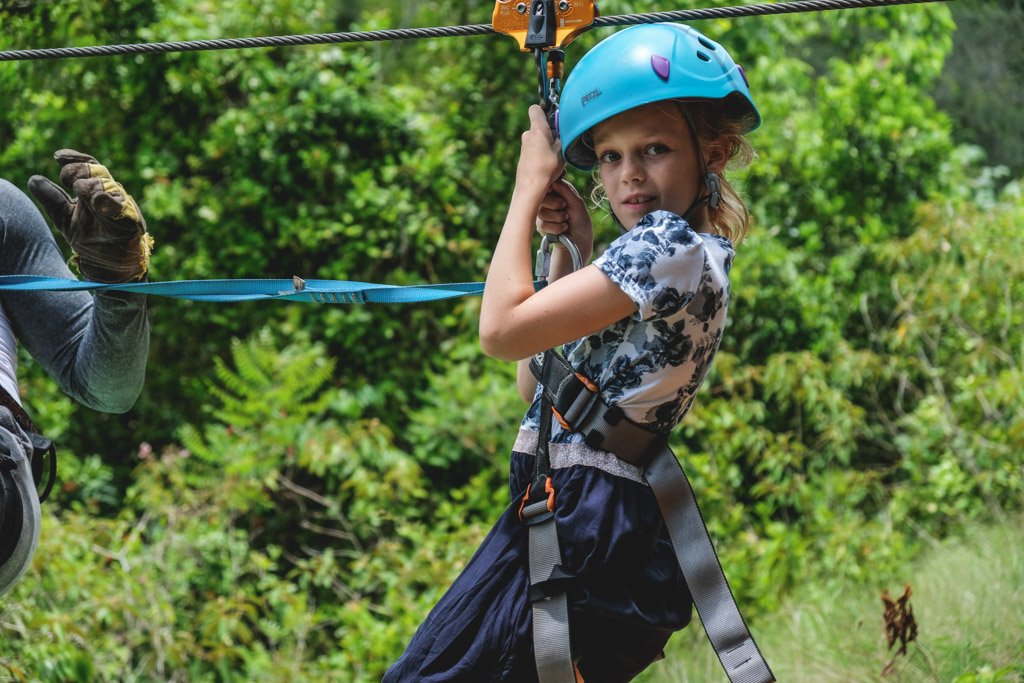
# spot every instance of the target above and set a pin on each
(717, 125)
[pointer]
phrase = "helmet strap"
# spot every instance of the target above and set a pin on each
(709, 186)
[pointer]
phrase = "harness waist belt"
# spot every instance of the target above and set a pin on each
(580, 408)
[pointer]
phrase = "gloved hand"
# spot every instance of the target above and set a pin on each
(103, 224)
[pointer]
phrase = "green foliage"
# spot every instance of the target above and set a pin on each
(269, 163)
(299, 484)
(288, 538)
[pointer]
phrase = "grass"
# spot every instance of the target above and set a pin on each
(968, 599)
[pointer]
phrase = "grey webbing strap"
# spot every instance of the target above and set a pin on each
(715, 603)
(551, 644)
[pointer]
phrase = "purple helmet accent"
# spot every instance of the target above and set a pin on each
(661, 66)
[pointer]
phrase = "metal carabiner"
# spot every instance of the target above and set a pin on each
(543, 264)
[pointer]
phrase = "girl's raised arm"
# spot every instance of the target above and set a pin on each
(516, 322)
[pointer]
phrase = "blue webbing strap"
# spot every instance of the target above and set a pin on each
(315, 291)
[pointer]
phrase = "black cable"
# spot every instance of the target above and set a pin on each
(438, 31)
(747, 11)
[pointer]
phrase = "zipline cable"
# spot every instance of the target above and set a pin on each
(439, 31)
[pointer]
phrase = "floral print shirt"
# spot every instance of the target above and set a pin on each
(652, 363)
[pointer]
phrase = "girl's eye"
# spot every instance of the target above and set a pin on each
(608, 157)
(655, 149)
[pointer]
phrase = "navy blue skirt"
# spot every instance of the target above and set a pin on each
(627, 600)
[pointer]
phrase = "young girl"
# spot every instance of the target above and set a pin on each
(659, 110)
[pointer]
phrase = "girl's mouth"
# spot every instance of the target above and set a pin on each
(638, 200)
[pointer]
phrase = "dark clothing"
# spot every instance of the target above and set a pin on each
(629, 598)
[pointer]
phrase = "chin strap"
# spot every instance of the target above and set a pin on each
(709, 192)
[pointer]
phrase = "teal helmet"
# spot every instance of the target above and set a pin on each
(645, 64)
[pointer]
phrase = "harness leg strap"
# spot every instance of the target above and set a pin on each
(715, 603)
(551, 643)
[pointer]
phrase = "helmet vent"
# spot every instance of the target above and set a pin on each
(703, 56)
(706, 43)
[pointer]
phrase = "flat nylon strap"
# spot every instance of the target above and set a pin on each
(552, 646)
(696, 555)
(551, 640)
(229, 291)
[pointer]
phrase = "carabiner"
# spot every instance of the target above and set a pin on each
(543, 264)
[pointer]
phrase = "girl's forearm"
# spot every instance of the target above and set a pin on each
(526, 383)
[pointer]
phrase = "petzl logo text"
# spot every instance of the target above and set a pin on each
(590, 97)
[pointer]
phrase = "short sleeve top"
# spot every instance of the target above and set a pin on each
(652, 363)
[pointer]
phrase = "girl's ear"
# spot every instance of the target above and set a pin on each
(716, 154)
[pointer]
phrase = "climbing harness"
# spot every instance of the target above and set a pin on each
(21, 476)
(575, 401)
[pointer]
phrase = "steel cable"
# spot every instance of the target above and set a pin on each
(438, 31)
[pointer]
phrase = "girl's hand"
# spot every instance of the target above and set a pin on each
(563, 211)
(540, 163)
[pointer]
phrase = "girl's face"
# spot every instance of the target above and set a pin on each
(646, 161)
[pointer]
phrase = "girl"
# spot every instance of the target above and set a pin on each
(659, 110)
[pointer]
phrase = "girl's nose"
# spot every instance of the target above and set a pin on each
(632, 169)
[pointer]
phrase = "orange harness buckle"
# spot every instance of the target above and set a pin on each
(591, 387)
(524, 514)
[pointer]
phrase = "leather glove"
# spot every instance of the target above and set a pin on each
(103, 224)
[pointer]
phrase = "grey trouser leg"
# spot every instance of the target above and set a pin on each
(94, 347)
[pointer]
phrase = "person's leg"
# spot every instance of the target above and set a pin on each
(94, 347)
(480, 629)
